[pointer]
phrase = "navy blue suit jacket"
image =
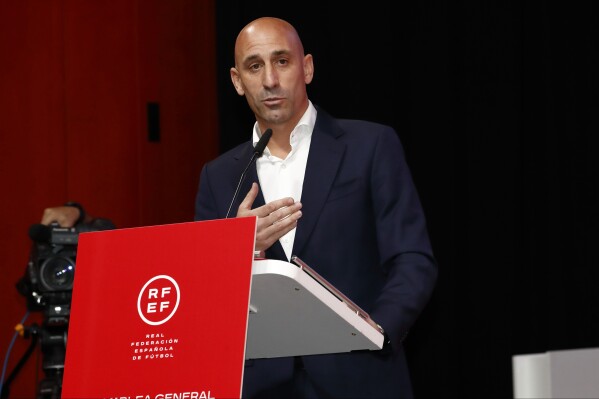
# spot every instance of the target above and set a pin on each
(362, 229)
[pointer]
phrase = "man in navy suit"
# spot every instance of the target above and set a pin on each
(339, 195)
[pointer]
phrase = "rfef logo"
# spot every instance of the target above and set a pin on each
(158, 300)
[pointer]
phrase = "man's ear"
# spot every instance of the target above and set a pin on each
(237, 81)
(308, 68)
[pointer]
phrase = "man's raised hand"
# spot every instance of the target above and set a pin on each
(275, 219)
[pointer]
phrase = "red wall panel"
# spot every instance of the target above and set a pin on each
(32, 150)
(75, 79)
(177, 69)
(101, 89)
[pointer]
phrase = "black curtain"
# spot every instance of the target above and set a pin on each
(496, 104)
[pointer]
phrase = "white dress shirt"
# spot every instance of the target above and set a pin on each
(280, 178)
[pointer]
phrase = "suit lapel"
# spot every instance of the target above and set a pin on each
(325, 156)
(253, 177)
(241, 158)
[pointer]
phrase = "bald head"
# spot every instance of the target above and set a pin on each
(272, 71)
(266, 30)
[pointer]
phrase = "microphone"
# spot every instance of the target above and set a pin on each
(261, 145)
(258, 150)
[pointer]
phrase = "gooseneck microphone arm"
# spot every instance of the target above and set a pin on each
(258, 150)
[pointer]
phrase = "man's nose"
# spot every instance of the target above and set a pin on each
(271, 76)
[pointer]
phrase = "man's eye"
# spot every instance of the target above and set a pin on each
(255, 67)
(282, 62)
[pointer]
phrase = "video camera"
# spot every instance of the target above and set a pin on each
(50, 270)
(48, 285)
(50, 273)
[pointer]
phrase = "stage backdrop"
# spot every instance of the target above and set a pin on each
(496, 104)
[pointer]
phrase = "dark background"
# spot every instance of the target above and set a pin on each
(496, 105)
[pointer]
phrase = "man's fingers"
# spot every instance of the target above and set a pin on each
(284, 225)
(283, 213)
(269, 232)
(245, 208)
(271, 209)
(278, 216)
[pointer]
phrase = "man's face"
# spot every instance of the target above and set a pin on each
(272, 72)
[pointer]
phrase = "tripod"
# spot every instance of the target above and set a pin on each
(53, 344)
(51, 336)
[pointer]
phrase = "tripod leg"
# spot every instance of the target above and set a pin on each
(18, 367)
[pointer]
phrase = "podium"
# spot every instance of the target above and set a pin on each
(556, 374)
(173, 311)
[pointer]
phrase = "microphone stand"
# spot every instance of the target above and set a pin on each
(258, 150)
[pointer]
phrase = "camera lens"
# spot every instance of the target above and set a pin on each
(57, 273)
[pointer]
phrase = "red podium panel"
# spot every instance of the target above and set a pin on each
(160, 312)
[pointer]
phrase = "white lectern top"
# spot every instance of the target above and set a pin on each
(294, 311)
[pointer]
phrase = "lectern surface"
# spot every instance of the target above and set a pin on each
(293, 314)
